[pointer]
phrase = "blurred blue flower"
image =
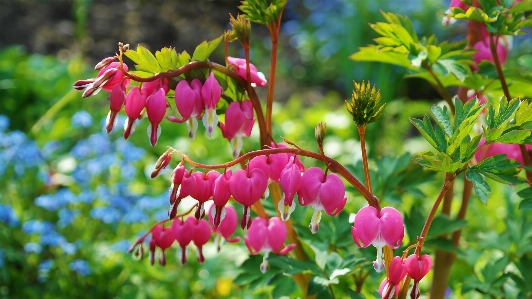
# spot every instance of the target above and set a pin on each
(81, 267)
(135, 216)
(8, 216)
(160, 215)
(100, 143)
(49, 149)
(33, 247)
(46, 265)
(86, 196)
(82, 149)
(106, 214)
(52, 238)
(66, 196)
(81, 119)
(66, 217)
(4, 123)
(128, 171)
(51, 202)
(81, 176)
(149, 203)
(37, 227)
(29, 154)
(14, 138)
(121, 202)
(129, 152)
(2, 254)
(69, 248)
(121, 246)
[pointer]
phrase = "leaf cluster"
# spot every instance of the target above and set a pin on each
(500, 17)
(399, 44)
(259, 11)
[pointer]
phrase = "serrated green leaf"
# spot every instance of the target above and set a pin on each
(514, 137)
(526, 204)
(205, 49)
(433, 53)
(144, 59)
(443, 119)
(183, 58)
(425, 128)
(164, 57)
(482, 189)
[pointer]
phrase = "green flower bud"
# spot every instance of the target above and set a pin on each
(365, 106)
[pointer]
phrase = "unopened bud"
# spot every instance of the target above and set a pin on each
(241, 28)
(320, 131)
(108, 74)
(125, 48)
(365, 106)
(105, 62)
(82, 84)
(161, 164)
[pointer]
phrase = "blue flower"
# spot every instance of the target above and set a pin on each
(81, 176)
(81, 119)
(46, 265)
(106, 214)
(51, 202)
(69, 248)
(129, 152)
(33, 247)
(66, 196)
(66, 217)
(100, 143)
(8, 216)
(37, 227)
(121, 246)
(52, 238)
(49, 149)
(4, 123)
(86, 196)
(135, 216)
(82, 149)
(81, 267)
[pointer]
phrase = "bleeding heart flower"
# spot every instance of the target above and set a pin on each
(227, 226)
(117, 78)
(211, 93)
(202, 234)
(156, 108)
(162, 238)
(378, 228)
(417, 267)
(183, 232)
(239, 65)
(267, 236)
(188, 182)
(203, 189)
(247, 186)
(272, 165)
(238, 122)
(135, 103)
(189, 104)
(512, 151)
(389, 287)
(221, 194)
(117, 98)
(322, 193)
(290, 182)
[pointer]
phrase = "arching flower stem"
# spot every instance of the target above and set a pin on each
(332, 164)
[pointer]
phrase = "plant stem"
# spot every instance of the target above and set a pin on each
(439, 87)
(496, 60)
(274, 36)
(333, 165)
(362, 134)
(446, 185)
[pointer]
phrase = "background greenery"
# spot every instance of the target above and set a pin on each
(73, 198)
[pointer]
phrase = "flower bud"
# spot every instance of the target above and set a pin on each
(319, 132)
(365, 106)
(105, 62)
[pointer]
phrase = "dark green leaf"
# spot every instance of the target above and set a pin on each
(521, 7)
(442, 118)
(282, 285)
(460, 70)
(442, 225)
(354, 295)
(482, 189)
(526, 204)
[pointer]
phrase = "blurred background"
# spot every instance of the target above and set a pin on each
(73, 198)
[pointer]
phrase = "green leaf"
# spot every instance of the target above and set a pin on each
(442, 118)
(460, 70)
(167, 59)
(525, 193)
(434, 53)
(526, 204)
(319, 286)
(482, 189)
(514, 137)
(425, 128)
(354, 295)
(373, 53)
(282, 285)
(292, 266)
(521, 7)
(144, 59)
(205, 49)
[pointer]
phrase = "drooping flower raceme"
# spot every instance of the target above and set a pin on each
(417, 267)
(239, 65)
(162, 238)
(389, 287)
(267, 236)
(247, 186)
(378, 228)
(322, 193)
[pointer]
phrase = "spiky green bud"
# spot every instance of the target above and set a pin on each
(241, 28)
(365, 105)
